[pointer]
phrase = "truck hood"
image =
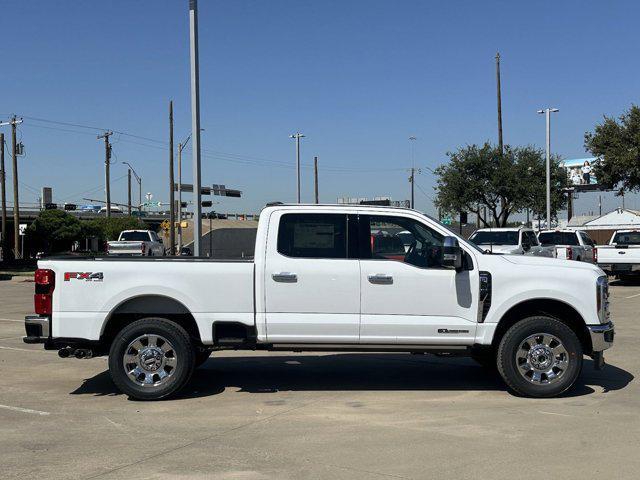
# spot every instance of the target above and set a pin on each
(532, 261)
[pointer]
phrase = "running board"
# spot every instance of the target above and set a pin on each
(356, 347)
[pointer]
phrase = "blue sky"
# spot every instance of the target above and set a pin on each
(356, 77)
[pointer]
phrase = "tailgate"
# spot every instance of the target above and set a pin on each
(125, 247)
(619, 254)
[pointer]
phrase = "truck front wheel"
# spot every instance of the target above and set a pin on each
(539, 357)
(151, 358)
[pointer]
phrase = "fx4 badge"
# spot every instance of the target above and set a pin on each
(86, 276)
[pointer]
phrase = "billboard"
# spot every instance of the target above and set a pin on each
(580, 173)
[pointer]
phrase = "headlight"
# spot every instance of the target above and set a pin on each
(602, 298)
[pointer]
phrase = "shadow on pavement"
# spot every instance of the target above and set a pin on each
(353, 372)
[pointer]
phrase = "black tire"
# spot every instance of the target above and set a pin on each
(510, 367)
(202, 355)
(485, 356)
(183, 352)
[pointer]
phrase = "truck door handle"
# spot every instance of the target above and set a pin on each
(381, 279)
(285, 277)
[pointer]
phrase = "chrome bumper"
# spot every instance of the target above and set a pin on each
(601, 336)
(37, 328)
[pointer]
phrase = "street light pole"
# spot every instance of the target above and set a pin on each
(195, 126)
(297, 136)
(547, 112)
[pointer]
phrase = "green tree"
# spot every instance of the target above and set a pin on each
(616, 143)
(110, 228)
(54, 231)
(479, 177)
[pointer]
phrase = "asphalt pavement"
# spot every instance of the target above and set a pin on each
(259, 415)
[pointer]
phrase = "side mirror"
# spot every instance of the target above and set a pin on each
(526, 246)
(451, 253)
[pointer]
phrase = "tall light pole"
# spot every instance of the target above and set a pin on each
(547, 112)
(297, 136)
(139, 180)
(195, 127)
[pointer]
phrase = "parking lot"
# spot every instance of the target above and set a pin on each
(257, 415)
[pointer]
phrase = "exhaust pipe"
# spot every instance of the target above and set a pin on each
(65, 352)
(83, 353)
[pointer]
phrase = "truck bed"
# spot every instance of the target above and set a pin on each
(88, 289)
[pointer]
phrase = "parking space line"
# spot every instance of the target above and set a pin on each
(11, 320)
(24, 410)
(633, 296)
(21, 349)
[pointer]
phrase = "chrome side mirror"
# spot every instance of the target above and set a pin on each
(451, 254)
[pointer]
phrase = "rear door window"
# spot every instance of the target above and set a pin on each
(313, 235)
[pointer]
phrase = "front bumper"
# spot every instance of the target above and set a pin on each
(601, 336)
(38, 329)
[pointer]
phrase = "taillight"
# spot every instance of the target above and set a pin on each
(45, 283)
(143, 247)
(595, 255)
(569, 253)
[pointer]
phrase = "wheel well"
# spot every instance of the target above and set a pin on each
(544, 306)
(149, 306)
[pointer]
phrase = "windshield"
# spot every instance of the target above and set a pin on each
(495, 238)
(134, 237)
(627, 238)
(558, 238)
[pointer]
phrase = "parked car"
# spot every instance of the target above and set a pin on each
(145, 243)
(621, 257)
(515, 241)
(114, 210)
(316, 283)
(569, 244)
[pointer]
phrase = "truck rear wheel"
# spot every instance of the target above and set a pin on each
(151, 358)
(539, 357)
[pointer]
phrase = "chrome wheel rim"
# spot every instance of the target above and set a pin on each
(150, 360)
(542, 359)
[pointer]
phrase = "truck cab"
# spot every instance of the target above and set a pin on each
(512, 241)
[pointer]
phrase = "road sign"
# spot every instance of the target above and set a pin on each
(446, 220)
(188, 188)
(23, 228)
(165, 225)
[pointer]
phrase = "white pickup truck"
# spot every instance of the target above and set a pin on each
(569, 244)
(621, 257)
(144, 243)
(318, 282)
(512, 241)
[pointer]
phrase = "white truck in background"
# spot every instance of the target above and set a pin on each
(621, 257)
(512, 241)
(144, 243)
(569, 244)
(320, 282)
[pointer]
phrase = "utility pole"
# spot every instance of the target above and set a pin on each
(129, 191)
(412, 178)
(500, 143)
(16, 202)
(195, 126)
(107, 164)
(3, 196)
(315, 179)
(412, 182)
(172, 206)
(139, 180)
(180, 198)
(600, 205)
(297, 137)
(547, 112)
